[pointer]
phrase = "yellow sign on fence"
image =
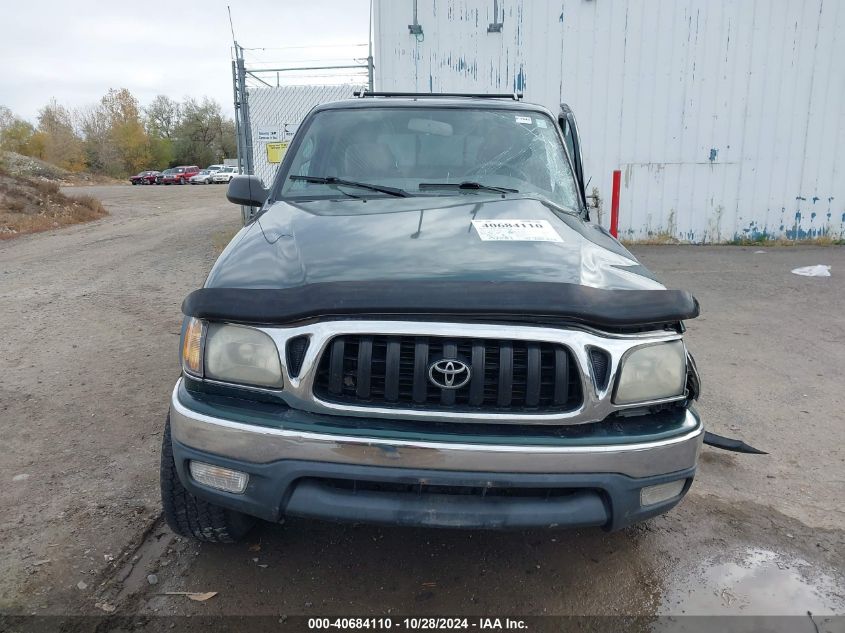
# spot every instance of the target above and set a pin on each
(276, 151)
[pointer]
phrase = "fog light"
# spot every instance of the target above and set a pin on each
(219, 477)
(651, 495)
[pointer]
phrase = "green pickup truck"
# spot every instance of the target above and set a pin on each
(421, 325)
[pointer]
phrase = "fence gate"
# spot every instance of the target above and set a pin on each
(267, 115)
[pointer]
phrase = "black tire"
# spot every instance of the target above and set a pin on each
(187, 514)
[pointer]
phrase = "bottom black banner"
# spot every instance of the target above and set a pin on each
(260, 624)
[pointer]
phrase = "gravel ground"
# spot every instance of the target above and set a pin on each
(90, 317)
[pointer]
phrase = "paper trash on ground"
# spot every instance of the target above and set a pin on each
(196, 596)
(818, 270)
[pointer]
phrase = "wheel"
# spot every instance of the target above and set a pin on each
(187, 514)
(181, 181)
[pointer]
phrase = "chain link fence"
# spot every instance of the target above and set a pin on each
(267, 116)
(275, 114)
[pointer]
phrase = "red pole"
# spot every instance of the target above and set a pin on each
(614, 204)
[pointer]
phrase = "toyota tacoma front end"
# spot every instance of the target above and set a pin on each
(422, 326)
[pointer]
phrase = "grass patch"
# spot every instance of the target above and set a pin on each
(658, 239)
(28, 205)
(822, 240)
(222, 238)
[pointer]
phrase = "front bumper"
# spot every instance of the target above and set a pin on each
(447, 484)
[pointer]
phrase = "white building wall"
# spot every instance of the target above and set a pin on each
(726, 117)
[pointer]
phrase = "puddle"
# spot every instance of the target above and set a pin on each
(761, 582)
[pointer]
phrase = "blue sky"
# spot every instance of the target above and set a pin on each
(75, 51)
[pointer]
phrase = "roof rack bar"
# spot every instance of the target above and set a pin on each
(516, 96)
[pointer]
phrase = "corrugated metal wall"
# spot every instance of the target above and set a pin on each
(725, 117)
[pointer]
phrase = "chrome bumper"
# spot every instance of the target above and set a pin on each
(259, 444)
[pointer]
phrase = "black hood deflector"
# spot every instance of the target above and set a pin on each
(582, 304)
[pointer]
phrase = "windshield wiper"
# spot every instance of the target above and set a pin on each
(466, 186)
(332, 180)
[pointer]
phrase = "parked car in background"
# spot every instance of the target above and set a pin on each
(144, 178)
(202, 178)
(161, 176)
(180, 175)
(224, 175)
(214, 168)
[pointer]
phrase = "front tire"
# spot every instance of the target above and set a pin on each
(187, 514)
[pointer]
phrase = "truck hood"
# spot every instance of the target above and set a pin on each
(421, 238)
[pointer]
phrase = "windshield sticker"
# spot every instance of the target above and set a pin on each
(540, 122)
(523, 119)
(516, 231)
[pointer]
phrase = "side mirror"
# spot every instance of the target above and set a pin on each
(247, 190)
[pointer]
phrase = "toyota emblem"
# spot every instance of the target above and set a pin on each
(449, 373)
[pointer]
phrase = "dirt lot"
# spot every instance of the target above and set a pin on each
(90, 319)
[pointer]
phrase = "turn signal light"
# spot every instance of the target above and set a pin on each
(192, 347)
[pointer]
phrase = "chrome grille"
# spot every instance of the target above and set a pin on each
(392, 371)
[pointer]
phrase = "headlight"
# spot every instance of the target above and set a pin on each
(231, 353)
(242, 355)
(653, 372)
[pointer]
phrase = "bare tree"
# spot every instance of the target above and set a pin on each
(62, 146)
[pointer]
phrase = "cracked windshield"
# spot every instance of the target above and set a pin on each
(409, 151)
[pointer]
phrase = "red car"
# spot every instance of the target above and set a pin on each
(144, 178)
(179, 175)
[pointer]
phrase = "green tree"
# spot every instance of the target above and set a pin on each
(161, 152)
(16, 135)
(204, 135)
(162, 117)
